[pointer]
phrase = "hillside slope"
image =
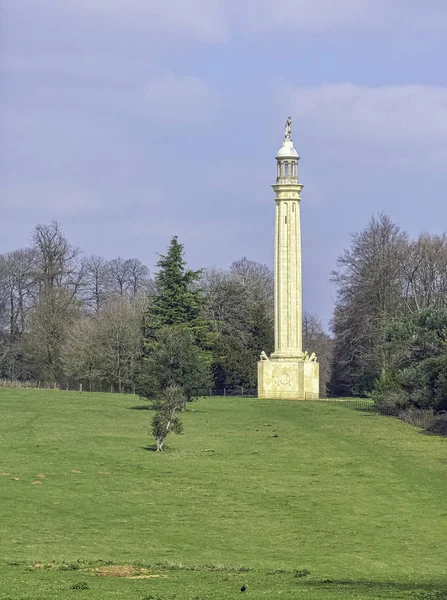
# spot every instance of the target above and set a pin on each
(277, 489)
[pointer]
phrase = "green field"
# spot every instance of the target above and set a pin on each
(292, 500)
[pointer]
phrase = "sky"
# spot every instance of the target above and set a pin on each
(130, 121)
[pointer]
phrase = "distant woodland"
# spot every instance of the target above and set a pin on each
(71, 319)
(66, 317)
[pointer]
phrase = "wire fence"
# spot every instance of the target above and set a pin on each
(359, 404)
(73, 386)
(246, 392)
(69, 386)
(418, 417)
(225, 391)
(411, 415)
(230, 391)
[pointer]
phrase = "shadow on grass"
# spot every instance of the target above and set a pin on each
(151, 408)
(151, 448)
(436, 590)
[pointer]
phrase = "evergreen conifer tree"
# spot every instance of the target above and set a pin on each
(178, 300)
(176, 313)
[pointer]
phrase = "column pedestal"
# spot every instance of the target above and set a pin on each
(288, 379)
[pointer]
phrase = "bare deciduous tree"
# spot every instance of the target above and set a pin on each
(138, 277)
(369, 284)
(315, 339)
(50, 322)
(425, 273)
(46, 292)
(119, 276)
(96, 283)
(128, 277)
(119, 343)
(257, 279)
(81, 352)
(18, 290)
(57, 264)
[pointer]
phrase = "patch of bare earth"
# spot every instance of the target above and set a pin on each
(116, 571)
(124, 571)
(36, 483)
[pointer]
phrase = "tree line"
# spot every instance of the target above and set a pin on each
(66, 317)
(390, 320)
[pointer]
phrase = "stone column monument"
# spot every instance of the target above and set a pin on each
(289, 373)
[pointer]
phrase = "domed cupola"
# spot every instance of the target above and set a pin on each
(287, 158)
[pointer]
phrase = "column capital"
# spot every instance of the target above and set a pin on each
(287, 191)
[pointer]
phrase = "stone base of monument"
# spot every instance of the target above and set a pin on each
(288, 379)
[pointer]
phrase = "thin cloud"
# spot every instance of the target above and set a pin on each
(310, 15)
(403, 120)
(48, 199)
(202, 19)
(177, 99)
(215, 20)
(318, 16)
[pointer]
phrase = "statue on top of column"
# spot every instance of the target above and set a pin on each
(288, 131)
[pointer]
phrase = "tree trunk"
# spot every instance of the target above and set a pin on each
(160, 442)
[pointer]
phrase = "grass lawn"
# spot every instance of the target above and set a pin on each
(292, 500)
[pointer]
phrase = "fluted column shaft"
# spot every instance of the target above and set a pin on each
(287, 271)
